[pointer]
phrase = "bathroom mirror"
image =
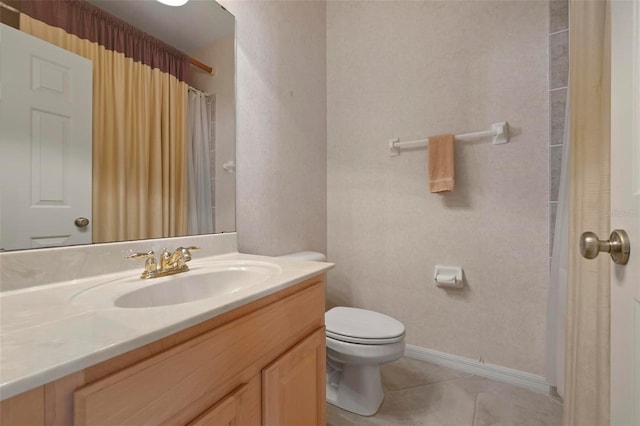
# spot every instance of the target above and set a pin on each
(203, 30)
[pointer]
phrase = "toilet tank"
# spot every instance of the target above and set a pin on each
(307, 255)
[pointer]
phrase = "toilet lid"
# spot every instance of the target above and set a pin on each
(362, 326)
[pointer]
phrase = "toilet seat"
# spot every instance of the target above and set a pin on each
(361, 326)
(361, 341)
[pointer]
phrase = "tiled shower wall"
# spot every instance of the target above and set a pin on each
(558, 82)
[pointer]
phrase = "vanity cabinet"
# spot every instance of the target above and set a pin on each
(262, 363)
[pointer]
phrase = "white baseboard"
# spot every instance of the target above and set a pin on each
(471, 366)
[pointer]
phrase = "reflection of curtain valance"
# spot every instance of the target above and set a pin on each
(89, 22)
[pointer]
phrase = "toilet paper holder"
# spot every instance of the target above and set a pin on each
(448, 276)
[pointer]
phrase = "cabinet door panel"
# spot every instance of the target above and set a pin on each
(293, 387)
(226, 412)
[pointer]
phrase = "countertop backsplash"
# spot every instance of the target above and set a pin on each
(30, 268)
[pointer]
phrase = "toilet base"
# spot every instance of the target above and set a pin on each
(354, 387)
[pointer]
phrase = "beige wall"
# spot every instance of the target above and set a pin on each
(221, 56)
(281, 125)
(409, 70)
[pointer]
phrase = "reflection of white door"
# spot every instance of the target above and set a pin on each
(625, 211)
(45, 143)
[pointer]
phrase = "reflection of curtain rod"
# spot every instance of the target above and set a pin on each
(8, 7)
(206, 68)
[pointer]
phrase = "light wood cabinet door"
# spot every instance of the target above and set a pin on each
(228, 412)
(293, 386)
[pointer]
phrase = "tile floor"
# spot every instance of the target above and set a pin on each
(419, 393)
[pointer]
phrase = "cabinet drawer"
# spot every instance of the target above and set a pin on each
(177, 386)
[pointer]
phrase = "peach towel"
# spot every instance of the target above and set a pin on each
(441, 168)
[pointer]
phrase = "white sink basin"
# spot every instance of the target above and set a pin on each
(202, 281)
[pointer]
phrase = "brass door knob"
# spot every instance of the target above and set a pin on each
(81, 222)
(617, 246)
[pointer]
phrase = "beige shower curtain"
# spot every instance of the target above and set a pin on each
(139, 141)
(588, 303)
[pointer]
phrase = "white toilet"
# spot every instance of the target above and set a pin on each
(358, 341)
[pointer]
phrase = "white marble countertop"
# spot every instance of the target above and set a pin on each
(49, 331)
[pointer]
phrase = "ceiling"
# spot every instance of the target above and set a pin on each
(187, 28)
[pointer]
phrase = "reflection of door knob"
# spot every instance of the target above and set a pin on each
(617, 245)
(81, 222)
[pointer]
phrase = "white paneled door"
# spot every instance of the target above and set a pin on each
(625, 210)
(45, 143)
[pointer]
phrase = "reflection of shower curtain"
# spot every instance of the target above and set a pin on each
(200, 210)
(557, 298)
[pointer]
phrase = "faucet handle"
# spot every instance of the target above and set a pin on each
(147, 255)
(186, 252)
(150, 265)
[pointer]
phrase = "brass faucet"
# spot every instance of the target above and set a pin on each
(169, 263)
